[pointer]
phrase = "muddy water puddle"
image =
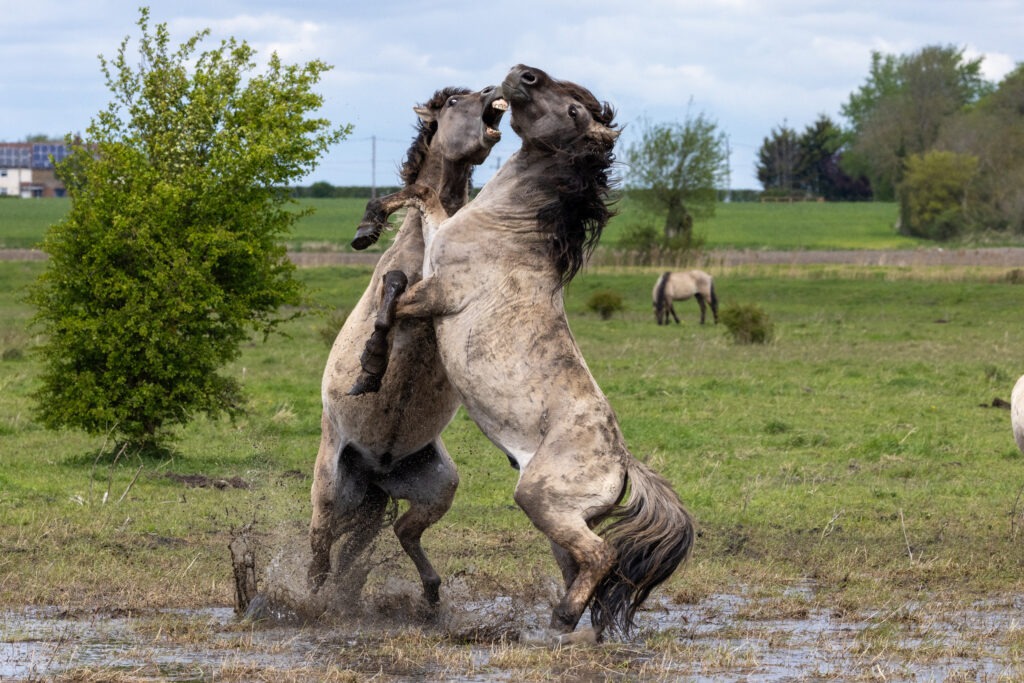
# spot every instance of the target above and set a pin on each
(722, 638)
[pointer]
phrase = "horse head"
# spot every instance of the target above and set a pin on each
(460, 124)
(565, 121)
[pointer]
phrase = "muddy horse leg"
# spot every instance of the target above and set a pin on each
(374, 360)
(584, 557)
(428, 482)
(337, 494)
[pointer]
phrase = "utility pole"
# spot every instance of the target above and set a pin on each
(373, 166)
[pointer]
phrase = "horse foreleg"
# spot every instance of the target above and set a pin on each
(374, 360)
(376, 214)
(672, 310)
(703, 307)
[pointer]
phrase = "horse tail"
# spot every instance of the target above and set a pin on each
(652, 534)
(659, 296)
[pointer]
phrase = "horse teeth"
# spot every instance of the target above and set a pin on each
(491, 132)
(500, 104)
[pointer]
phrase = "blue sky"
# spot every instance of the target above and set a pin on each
(748, 65)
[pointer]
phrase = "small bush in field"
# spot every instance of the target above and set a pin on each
(1015, 276)
(605, 303)
(748, 324)
(332, 324)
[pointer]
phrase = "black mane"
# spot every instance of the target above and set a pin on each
(424, 134)
(584, 183)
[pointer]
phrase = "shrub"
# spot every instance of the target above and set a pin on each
(171, 255)
(748, 324)
(605, 303)
(933, 194)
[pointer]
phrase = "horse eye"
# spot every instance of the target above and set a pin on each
(572, 110)
(452, 101)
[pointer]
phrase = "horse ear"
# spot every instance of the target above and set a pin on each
(602, 133)
(426, 114)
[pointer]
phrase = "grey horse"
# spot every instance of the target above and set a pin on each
(382, 447)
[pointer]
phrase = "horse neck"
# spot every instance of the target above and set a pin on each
(450, 179)
(520, 189)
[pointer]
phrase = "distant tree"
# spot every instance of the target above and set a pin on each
(676, 168)
(779, 160)
(993, 132)
(321, 190)
(170, 255)
(899, 111)
(819, 143)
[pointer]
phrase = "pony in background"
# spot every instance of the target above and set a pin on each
(680, 287)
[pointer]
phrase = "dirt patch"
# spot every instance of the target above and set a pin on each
(203, 481)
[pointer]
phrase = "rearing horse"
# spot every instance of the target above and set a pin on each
(493, 280)
(387, 446)
(680, 287)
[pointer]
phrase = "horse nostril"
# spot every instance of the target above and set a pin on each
(488, 90)
(529, 78)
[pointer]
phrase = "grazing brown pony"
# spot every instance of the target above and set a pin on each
(493, 280)
(681, 286)
(386, 446)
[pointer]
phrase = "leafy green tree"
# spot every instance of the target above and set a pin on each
(993, 132)
(933, 194)
(779, 160)
(676, 168)
(170, 255)
(899, 111)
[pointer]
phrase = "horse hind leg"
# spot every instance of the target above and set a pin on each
(428, 482)
(703, 307)
(583, 556)
(360, 528)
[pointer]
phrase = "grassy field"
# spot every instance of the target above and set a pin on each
(858, 454)
(858, 451)
(808, 225)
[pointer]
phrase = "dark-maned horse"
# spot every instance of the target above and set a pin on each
(387, 446)
(679, 287)
(493, 280)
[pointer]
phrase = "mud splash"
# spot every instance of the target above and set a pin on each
(723, 638)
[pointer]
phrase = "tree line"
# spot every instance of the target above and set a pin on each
(925, 129)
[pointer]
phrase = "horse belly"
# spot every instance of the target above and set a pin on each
(416, 401)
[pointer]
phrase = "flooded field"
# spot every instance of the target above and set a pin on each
(723, 638)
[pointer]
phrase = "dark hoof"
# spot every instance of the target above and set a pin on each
(366, 384)
(366, 236)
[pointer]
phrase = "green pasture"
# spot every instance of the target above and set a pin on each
(801, 225)
(858, 450)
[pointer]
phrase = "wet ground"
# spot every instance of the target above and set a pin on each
(722, 638)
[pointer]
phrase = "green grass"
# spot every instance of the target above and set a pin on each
(853, 450)
(807, 225)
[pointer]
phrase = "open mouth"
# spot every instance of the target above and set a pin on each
(492, 117)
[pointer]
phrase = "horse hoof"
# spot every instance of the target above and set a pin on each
(366, 384)
(366, 236)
